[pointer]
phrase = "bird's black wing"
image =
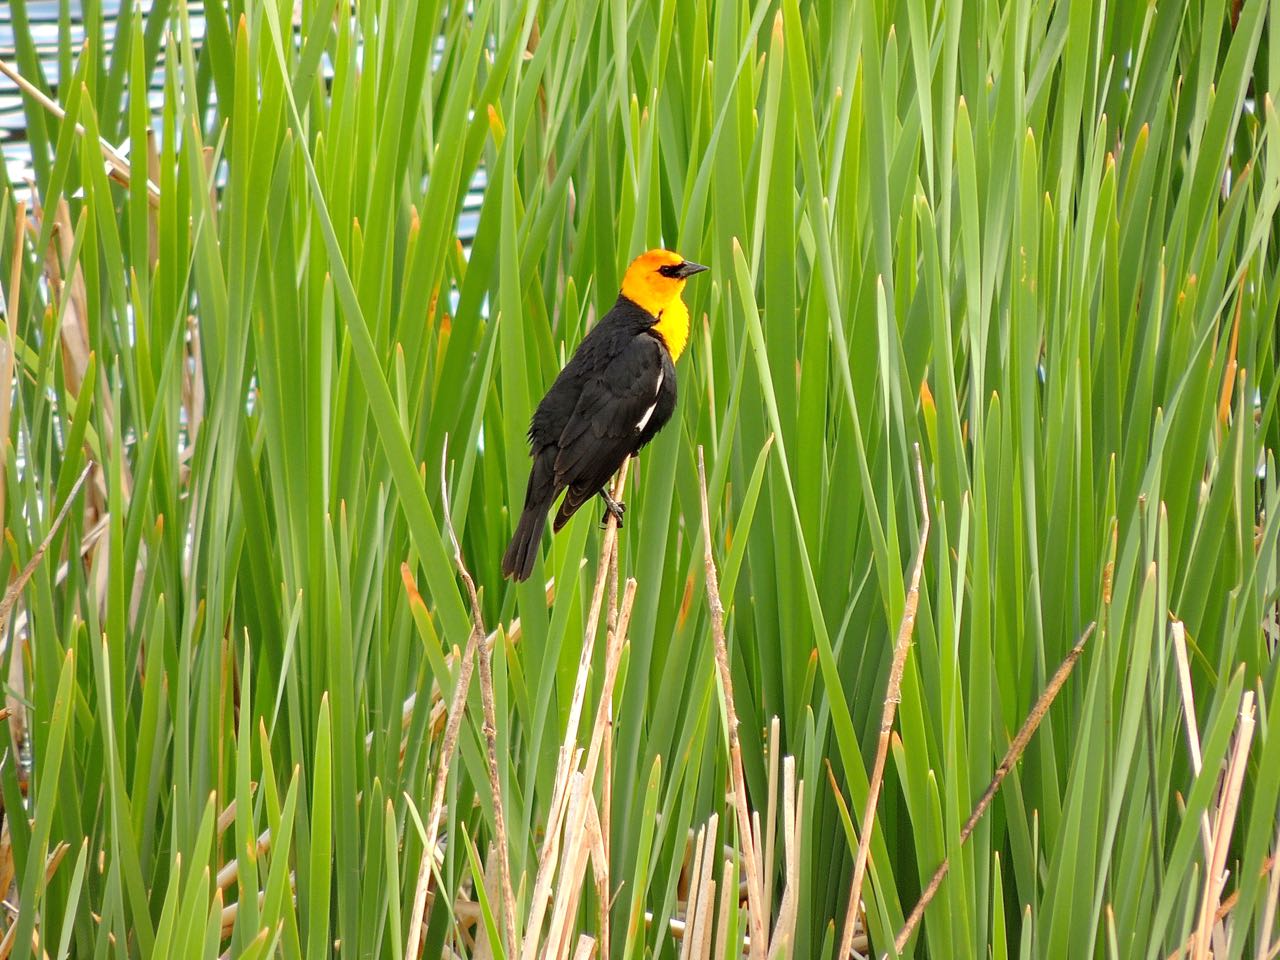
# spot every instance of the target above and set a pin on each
(612, 411)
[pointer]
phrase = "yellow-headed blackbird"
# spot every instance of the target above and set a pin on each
(615, 393)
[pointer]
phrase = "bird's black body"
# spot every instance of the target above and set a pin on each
(612, 397)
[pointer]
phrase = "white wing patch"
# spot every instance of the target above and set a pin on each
(644, 421)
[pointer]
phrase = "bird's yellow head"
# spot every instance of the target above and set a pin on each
(654, 282)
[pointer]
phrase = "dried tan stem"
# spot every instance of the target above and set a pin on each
(495, 787)
(727, 893)
(6, 944)
(20, 581)
(1224, 824)
(582, 818)
(10, 302)
(1232, 364)
(756, 909)
(1273, 899)
(892, 696)
(1011, 757)
(705, 909)
(565, 905)
(604, 730)
(600, 872)
(231, 869)
(451, 730)
(484, 653)
(569, 751)
(792, 801)
(1225, 908)
(603, 883)
(228, 815)
(699, 876)
(691, 896)
(593, 620)
(120, 169)
(52, 861)
(771, 814)
(1179, 633)
(606, 780)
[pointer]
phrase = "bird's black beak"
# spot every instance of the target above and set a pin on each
(688, 269)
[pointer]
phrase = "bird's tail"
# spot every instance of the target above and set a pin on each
(517, 562)
(540, 494)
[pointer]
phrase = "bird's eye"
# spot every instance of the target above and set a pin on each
(670, 270)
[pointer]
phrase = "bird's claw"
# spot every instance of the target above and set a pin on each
(612, 508)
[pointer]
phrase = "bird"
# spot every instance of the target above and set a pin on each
(612, 397)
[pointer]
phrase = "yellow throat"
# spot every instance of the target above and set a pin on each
(673, 327)
(660, 296)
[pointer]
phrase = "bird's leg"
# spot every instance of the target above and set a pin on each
(611, 506)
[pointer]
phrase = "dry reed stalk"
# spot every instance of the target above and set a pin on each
(679, 929)
(227, 875)
(1011, 757)
(703, 908)
(193, 394)
(119, 166)
(698, 856)
(495, 787)
(706, 908)
(6, 944)
(691, 895)
(579, 856)
(1225, 908)
(228, 815)
(16, 586)
(600, 871)
(757, 837)
(1273, 897)
(755, 882)
(784, 930)
(512, 633)
(481, 945)
(6, 861)
(1179, 633)
(582, 818)
(727, 903)
(483, 653)
(70, 300)
(1215, 876)
(891, 698)
(771, 819)
(52, 862)
(1232, 364)
(232, 911)
(452, 727)
(10, 301)
(89, 538)
(569, 752)
(613, 659)
(564, 904)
